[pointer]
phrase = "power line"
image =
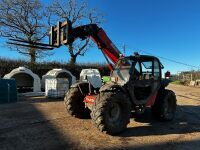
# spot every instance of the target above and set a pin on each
(125, 47)
(178, 62)
(168, 59)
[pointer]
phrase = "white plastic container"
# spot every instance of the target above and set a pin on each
(24, 77)
(93, 76)
(56, 87)
(58, 73)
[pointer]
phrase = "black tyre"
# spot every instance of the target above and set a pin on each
(111, 112)
(74, 103)
(165, 105)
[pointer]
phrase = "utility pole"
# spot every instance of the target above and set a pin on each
(124, 49)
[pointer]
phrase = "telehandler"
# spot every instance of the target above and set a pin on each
(136, 82)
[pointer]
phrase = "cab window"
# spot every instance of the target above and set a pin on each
(157, 74)
(147, 71)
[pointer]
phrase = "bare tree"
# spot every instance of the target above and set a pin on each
(78, 13)
(23, 20)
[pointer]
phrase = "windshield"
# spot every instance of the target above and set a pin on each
(122, 70)
(123, 63)
(147, 64)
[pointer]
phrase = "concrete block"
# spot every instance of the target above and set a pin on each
(192, 83)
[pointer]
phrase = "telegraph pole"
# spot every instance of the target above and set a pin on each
(124, 49)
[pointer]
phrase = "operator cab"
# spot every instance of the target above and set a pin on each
(141, 73)
(139, 67)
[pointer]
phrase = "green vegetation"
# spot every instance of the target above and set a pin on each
(7, 65)
(177, 82)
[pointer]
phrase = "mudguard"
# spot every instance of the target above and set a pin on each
(111, 86)
(84, 87)
(80, 83)
(165, 83)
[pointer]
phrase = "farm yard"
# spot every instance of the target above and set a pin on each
(39, 123)
(75, 75)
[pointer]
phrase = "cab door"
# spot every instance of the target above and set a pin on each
(146, 80)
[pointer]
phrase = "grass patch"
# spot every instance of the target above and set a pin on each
(177, 82)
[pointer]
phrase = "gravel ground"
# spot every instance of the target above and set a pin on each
(42, 124)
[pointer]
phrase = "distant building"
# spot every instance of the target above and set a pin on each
(188, 75)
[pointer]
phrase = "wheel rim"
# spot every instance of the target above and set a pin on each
(114, 112)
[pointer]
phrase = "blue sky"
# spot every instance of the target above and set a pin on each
(170, 29)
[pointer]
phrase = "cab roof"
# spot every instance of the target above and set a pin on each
(137, 57)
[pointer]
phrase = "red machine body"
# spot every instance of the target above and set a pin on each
(106, 45)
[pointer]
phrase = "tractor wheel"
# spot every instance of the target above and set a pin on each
(111, 112)
(74, 103)
(165, 106)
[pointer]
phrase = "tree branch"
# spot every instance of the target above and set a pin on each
(23, 20)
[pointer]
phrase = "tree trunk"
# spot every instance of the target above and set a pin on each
(72, 56)
(32, 56)
(33, 59)
(72, 60)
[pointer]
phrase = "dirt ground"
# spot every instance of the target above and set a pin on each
(40, 124)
